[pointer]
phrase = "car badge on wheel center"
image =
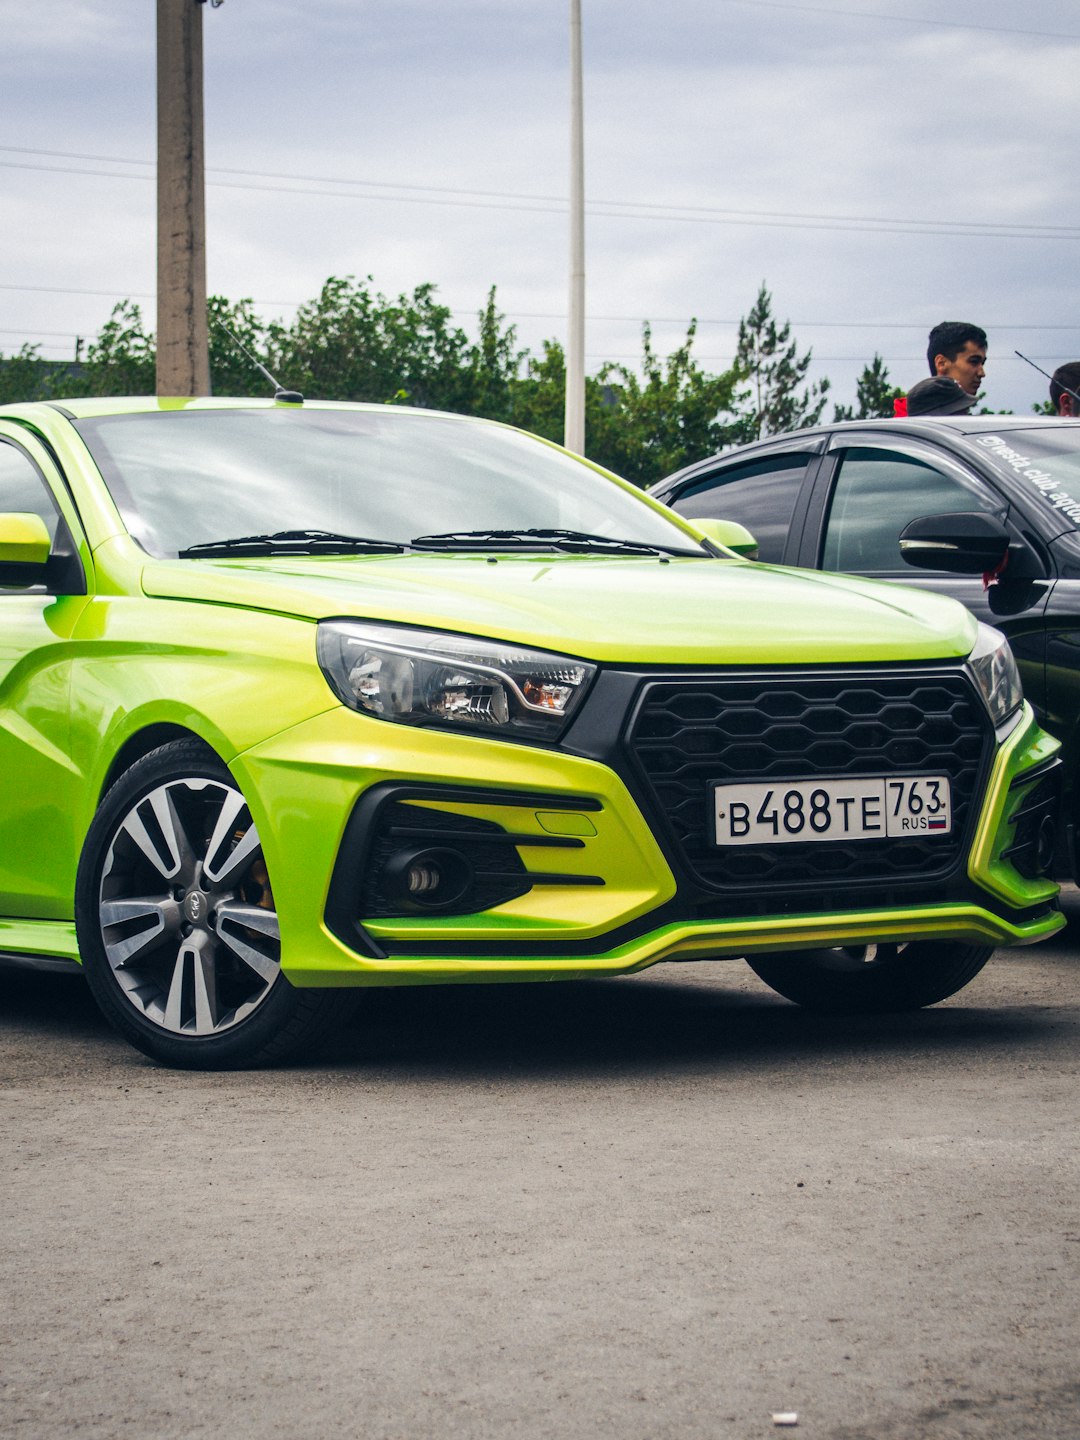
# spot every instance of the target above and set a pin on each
(195, 907)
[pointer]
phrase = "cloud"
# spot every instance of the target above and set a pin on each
(703, 103)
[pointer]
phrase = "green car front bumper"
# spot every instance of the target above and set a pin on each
(598, 878)
(602, 897)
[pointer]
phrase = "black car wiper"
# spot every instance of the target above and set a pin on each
(571, 540)
(294, 542)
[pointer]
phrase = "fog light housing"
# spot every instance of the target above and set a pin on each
(1034, 846)
(434, 878)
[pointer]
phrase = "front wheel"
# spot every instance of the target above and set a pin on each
(872, 979)
(176, 920)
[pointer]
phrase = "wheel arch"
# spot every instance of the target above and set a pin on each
(182, 957)
(142, 743)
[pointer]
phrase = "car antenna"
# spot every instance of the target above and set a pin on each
(1041, 371)
(285, 397)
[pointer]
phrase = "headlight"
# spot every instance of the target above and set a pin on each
(425, 677)
(995, 672)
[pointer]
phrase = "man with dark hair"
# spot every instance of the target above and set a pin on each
(1064, 379)
(958, 351)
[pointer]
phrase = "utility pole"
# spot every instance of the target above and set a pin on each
(574, 428)
(183, 360)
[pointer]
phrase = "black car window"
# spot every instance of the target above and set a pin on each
(23, 490)
(759, 494)
(877, 492)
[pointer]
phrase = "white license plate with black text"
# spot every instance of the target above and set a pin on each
(869, 808)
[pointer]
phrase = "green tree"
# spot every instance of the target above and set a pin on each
(25, 376)
(642, 426)
(120, 361)
(663, 418)
(538, 403)
(769, 360)
(354, 344)
(494, 364)
(538, 398)
(874, 395)
(231, 372)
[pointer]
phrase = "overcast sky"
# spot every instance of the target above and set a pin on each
(879, 168)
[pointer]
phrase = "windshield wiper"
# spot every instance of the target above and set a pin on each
(570, 540)
(294, 542)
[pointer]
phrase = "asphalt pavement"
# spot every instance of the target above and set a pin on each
(667, 1206)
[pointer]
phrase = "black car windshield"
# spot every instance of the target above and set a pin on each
(1046, 459)
(188, 477)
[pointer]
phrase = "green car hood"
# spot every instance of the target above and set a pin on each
(683, 611)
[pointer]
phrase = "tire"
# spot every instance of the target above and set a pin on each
(872, 979)
(176, 923)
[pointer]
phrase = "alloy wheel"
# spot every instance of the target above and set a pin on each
(186, 912)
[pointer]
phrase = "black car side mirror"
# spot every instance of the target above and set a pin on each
(967, 543)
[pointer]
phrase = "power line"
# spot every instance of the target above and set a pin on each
(108, 294)
(601, 209)
(557, 316)
(557, 200)
(899, 19)
(62, 334)
(918, 361)
(801, 324)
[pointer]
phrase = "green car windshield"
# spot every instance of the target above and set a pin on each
(195, 477)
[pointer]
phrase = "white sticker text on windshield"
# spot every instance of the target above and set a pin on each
(1041, 480)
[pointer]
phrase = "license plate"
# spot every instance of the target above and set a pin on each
(869, 808)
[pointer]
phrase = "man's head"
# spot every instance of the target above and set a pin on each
(958, 351)
(1064, 379)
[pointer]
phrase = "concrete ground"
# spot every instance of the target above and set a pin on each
(670, 1206)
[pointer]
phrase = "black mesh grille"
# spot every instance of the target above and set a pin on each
(688, 733)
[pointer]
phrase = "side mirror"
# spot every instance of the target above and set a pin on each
(730, 534)
(967, 543)
(24, 548)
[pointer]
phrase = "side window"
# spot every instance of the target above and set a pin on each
(22, 488)
(877, 492)
(760, 495)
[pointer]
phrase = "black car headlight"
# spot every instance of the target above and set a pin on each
(994, 670)
(427, 677)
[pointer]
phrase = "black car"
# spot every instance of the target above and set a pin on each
(986, 508)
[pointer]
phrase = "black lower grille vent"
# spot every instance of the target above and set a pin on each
(1035, 823)
(493, 866)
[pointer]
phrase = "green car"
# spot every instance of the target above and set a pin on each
(299, 698)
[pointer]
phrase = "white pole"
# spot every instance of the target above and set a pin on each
(574, 430)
